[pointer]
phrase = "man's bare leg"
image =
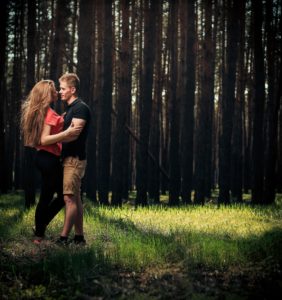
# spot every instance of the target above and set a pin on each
(78, 225)
(70, 214)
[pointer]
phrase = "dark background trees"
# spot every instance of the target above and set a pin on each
(185, 95)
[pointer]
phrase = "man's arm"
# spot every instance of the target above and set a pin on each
(77, 123)
(67, 135)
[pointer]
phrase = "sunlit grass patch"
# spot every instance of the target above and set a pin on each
(207, 234)
(135, 239)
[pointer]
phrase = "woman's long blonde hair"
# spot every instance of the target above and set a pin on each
(34, 110)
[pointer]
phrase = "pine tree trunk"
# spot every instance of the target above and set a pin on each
(203, 139)
(237, 149)
(154, 172)
(58, 46)
(3, 67)
(259, 99)
(145, 102)
(228, 99)
(86, 75)
(174, 163)
(105, 121)
(123, 101)
(187, 106)
(273, 108)
(127, 184)
(29, 153)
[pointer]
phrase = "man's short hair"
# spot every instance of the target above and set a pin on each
(72, 80)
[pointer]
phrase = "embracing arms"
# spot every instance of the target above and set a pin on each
(68, 135)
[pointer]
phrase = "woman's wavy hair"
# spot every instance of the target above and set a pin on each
(34, 109)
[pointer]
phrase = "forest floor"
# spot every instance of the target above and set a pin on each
(172, 281)
(105, 269)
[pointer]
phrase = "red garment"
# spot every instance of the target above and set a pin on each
(56, 122)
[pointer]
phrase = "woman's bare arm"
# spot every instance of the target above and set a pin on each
(67, 135)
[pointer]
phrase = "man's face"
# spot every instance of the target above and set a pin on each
(66, 92)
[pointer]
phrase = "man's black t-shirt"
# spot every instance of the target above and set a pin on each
(79, 110)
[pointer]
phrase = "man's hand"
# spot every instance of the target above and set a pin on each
(73, 131)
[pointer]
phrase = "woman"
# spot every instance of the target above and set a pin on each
(40, 124)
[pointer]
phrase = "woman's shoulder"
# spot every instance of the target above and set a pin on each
(52, 117)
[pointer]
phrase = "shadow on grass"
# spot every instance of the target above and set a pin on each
(175, 246)
(11, 212)
(93, 269)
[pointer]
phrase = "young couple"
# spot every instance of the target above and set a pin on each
(61, 153)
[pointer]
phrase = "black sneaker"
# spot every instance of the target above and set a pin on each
(78, 240)
(62, 241)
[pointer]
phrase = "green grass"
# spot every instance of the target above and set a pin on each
(136, 239)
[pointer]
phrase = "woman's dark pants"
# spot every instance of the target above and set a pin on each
(51, 182)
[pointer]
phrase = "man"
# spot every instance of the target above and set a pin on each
(74, 158)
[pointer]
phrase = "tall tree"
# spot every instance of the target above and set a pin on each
(84, 51)
(86, 31)
(259, 102)
(72, 42)
(12, 149)
(29, 153)
(273, 105)
(145, 102)
(58, 45)
(18, 88)
(237, 139)
(203, 138)
(228, 96)
(120, 156)
(247, 117)
(187, 105)
(97, 96)
(105, 121)
(165, 113)
(127, 185)
(174, 163)
(59, 40)
(3, 67)
(154, 172)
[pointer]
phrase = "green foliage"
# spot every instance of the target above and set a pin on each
(135, 239)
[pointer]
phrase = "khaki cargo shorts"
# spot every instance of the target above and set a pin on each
(74, 170)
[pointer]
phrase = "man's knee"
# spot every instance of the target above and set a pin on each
(69, 199)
